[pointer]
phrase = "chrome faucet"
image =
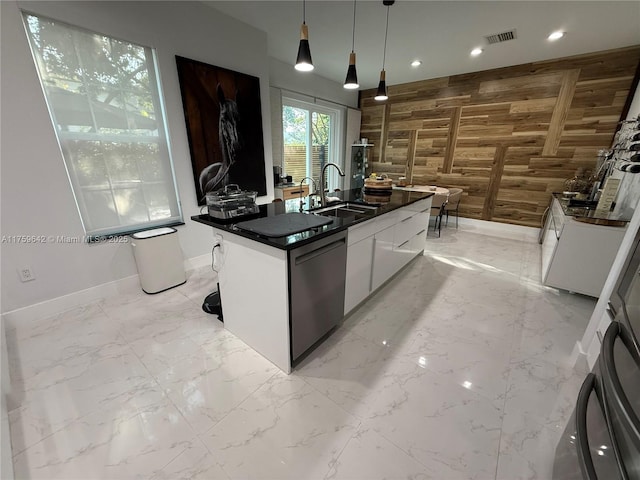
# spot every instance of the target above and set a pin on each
(315, 189)
(323, 199)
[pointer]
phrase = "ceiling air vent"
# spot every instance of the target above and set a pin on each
(501, 37)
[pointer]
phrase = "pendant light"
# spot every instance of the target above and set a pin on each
(381, 94)
(351, 82)
(303, 62)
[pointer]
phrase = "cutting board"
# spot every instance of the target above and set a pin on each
(283, 225)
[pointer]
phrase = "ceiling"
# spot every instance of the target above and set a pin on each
(441, 34)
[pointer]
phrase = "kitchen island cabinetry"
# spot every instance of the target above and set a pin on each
(379, 248)
(358, 276)
(576, 255)
(281, 294)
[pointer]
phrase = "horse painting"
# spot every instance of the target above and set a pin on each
(224, 126)
(216, 175)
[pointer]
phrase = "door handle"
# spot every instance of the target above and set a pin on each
(582, 440)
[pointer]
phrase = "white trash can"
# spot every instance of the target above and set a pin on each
(159, 259)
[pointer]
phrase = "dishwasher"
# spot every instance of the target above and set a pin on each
(316, 290)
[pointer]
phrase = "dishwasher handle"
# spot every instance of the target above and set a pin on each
(320, 251)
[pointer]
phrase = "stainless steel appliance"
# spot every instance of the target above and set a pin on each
(602, 439)
(231, 202)
(316, 290)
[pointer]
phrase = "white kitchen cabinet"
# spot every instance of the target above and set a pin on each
(396, 246)
(360, 257)
(384, 257)
(418, 242)
(359, 266)
(577, 256)
(410, 232)
(253, 279)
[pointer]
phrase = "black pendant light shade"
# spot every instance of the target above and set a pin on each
(351, 82)
(303, 61)
(381, 94)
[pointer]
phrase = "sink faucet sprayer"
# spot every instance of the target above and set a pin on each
(323, 199)
(315, 189)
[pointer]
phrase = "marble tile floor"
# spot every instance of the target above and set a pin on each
(457, 369)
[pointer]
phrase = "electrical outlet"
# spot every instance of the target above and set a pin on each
(26, 274)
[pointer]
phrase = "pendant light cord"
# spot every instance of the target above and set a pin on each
(304, 12)
(353, 38)
(386, 31)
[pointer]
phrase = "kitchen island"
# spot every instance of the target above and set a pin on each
(280, 293)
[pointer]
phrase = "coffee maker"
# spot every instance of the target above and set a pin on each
(277, 175)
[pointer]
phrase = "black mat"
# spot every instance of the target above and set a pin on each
(283, 225)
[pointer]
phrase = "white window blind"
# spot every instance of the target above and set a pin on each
(105, 104)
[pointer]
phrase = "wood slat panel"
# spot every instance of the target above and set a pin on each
(494, 183)
(413, 140)
(451, 141)
(520, 83)
(508, 136)
(561, 111)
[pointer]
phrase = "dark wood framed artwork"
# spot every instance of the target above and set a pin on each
(223, 114)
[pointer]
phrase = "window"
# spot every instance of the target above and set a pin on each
(104, 100)
(310, 140)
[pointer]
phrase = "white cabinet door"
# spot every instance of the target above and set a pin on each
(385, 264)
(548, 245)
(583, 257)
(359, 265)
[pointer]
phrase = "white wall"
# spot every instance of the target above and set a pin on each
(629, 190)
(589, 335)
(36, 195)
(285, 77)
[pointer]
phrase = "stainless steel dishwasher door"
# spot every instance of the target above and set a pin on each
(317, 278)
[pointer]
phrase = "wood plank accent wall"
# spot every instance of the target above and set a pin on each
(509, 137)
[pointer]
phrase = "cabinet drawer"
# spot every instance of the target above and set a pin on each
(420, 206)
(407, 228)
(371, 227)
(288, 193)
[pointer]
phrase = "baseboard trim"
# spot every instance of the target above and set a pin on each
(504, 230)
(67, 302)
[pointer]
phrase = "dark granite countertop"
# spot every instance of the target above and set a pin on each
(588, 214)
(396, 200)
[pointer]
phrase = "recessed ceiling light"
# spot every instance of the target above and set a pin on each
(416, 63)
(556, 35)
(476, 51)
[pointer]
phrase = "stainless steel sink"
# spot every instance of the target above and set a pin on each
(347, 210)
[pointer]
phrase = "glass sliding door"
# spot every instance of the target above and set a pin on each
(309, 138)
